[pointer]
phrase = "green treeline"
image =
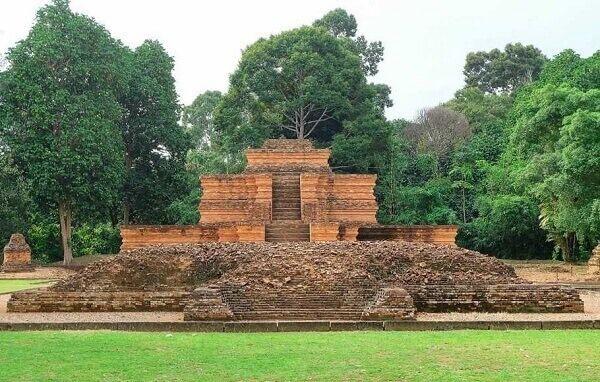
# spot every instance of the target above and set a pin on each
(92, 136)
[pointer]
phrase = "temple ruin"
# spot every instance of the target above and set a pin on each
(288, 240)
(286, 193)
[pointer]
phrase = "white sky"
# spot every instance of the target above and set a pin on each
(425, 41)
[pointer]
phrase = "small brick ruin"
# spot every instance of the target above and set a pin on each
(17, 255)
(594, 261)
(286, 193)
(382, 281)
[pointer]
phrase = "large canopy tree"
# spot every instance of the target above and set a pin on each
(62, 113)
(505, 71)
(155, 144)
(307, 82)
(295, 81)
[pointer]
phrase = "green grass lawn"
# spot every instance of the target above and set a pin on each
(7, 286)
(340, 356)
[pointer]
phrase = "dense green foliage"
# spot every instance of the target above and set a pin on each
(92, 136)
(503, 71)
(62, 114)
(469, 355)
(155, 144)
(89, 136)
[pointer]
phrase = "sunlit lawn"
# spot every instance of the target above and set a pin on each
(338, 356)
(7, 286)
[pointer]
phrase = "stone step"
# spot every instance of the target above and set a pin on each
(301, 314)
(287, 238)
(283, 231)
(289, 203)
(291, 235)
(273, 240)
(285, 217)
(286, 209)
(287, 214)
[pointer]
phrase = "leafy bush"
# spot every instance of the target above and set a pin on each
(96, 239)
(507, 227)
(44, 240)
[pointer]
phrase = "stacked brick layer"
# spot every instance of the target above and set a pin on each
(512, 298)
(436, 234)
(236, 198)
(97, 301)
(594, 262)
(138, 236)
(338, 198)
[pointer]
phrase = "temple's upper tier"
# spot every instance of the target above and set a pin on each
(288, 155)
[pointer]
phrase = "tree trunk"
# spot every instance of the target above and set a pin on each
(301, 127)
(568, 244)
(463, 206)
(126, 205)
(64, 214)
(126, 211)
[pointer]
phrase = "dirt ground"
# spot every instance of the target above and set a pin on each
(45, 273)
(547, 271)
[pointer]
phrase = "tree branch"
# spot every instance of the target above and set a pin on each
(316, 122)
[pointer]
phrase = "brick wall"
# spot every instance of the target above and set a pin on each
(512, 298)
(338, 197)
(436, 234)
(131, 301)
(138, 236)
(236, 198)
(296, 155)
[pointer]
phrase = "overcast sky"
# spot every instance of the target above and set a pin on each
(425, 41)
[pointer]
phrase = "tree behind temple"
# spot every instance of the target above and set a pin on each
(155, 144)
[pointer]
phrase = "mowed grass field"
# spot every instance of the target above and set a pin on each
(9, 285)
(340, 356)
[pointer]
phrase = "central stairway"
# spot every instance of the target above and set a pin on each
(286, 224)
(311, 302)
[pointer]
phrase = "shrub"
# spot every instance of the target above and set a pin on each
(44, 240)
(96, 239)
(508, 228)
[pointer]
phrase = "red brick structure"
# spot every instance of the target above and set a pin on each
(287, 193)
(594, 261)
(17, 255)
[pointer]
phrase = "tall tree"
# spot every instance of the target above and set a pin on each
(63, 113)
(342, 24)
(155, 144)
(293, 83)
(505, 71)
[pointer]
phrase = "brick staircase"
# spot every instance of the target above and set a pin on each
(286, 217)
(286, 196)
(311, 302)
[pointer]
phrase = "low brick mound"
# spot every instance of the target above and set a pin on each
(299, 281)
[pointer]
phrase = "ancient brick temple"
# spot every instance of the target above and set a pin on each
(287, 193)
